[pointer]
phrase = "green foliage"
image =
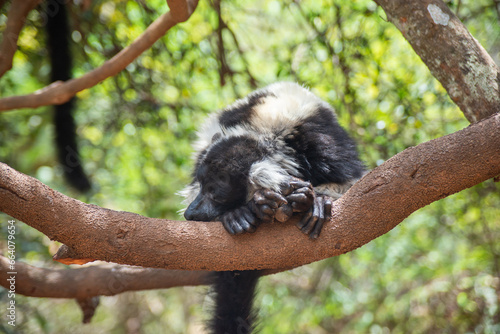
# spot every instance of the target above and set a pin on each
(437, 272)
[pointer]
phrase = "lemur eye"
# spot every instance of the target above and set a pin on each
(219, 200)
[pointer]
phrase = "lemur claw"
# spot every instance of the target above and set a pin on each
(313, 220)
(299, 195)
(239, 220)
(264, 204)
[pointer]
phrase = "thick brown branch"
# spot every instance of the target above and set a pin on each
(60, 92)
(19, 9)
(454, 57)
(102, 280)
(381, 200)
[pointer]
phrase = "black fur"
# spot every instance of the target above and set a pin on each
(58, 38)
(324, 150)
(259, 160)
(223, 176)
(242, 113)
(234, 294)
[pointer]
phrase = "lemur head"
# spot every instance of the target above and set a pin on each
(223, 175)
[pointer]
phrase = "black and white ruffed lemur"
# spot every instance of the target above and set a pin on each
(278, 151)
(58, 44)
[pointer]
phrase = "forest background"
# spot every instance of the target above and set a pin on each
(437, 272)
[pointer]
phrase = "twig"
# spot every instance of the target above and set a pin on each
(224, 68)
(253, 81)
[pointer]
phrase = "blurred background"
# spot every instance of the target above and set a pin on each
(437, 272)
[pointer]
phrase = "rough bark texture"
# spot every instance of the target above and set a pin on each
(103, 280)
(382, 199)
(98, 280)
(454, 57)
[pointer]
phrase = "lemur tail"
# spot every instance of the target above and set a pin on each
(235, 292)
(58, 39)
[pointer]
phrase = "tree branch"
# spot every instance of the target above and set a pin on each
(454, 57)
(102, 280)
(98, 280)
(59, 92)
(16, 17)
(382, 199)
(182, 9)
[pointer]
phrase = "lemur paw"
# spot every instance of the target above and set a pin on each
(294, 196)
(265, 203)
(299, 194)
(299, 197)
(313, 220)
(239, 220)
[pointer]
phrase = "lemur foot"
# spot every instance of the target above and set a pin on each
(299, 194)
(265, 203)
(262, 208)
(239, 220)
(313, 220)
(295, 196)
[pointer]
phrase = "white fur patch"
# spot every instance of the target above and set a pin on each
(267, 174)
(286, 162)
(209, 128)
(286, 108)
(189, 193)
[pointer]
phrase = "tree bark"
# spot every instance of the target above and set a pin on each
(98, 280)
(454, 57)
(382, 199)
(102, 280)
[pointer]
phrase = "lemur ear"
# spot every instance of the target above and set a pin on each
(216, 137)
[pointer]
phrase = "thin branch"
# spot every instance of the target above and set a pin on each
(16, 17)
(408, 181)
(60, 92)
(182, 9)
(497, 7)
(221, 50)
(350, 104)
(223, 24)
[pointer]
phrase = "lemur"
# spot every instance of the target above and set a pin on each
(276, 152)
